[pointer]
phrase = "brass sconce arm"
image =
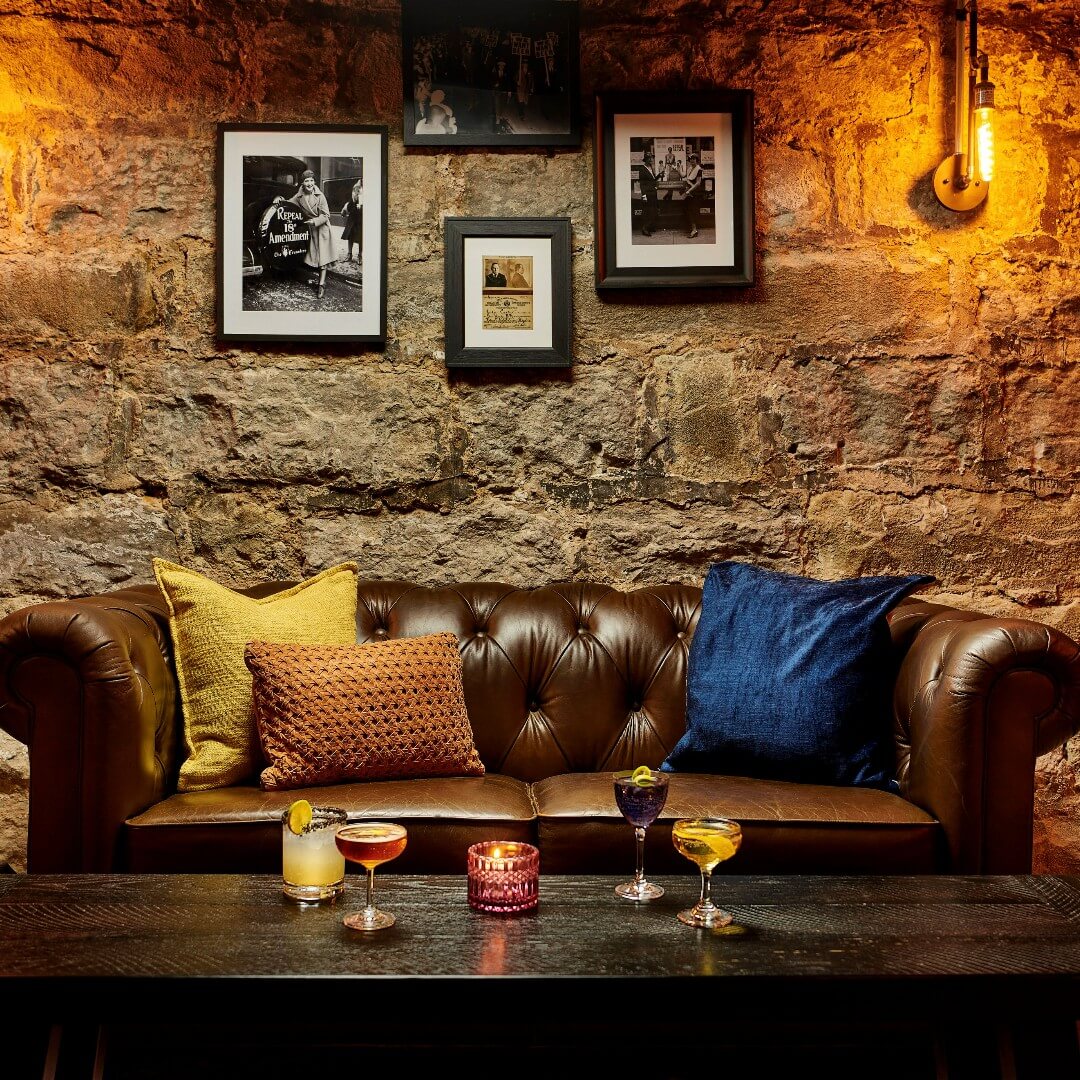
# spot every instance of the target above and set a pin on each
(962, 180)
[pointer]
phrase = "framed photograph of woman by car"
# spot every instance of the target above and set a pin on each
(674, 189)
(507, 292)
(301, 251)
(490, 73)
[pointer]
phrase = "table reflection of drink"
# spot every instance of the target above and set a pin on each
(371, 843)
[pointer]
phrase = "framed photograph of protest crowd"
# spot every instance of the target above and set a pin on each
(490, 73)
(301, 236)
(674, 189)
(507, 292)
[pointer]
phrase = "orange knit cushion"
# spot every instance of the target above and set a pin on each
(384, 710)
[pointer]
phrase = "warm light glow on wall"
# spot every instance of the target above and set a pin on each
(10, 99)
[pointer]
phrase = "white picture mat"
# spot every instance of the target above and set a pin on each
(653, 125)
(478, 248)
(241, 144)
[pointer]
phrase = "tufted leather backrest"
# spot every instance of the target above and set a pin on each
(564, 678)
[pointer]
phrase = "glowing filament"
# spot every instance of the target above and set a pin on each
(984, 136)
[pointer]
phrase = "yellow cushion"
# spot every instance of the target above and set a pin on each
(210, 626)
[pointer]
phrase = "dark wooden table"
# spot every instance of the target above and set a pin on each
(211, 975)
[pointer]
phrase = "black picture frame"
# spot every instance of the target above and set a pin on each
(474, 298)
(451, 52)
(678, 251)
(266, 291)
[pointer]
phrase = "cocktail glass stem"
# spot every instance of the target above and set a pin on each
(705, 906)
(369, 907)
(639, 872)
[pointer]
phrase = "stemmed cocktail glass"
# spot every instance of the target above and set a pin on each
(706, 842)
(640, 796)
(371, 843)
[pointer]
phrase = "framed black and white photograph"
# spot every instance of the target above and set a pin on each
(301, 252)
(507, 292)
(490, 73)
(674, 189)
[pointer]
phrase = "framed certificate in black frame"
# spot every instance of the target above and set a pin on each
(507, 292)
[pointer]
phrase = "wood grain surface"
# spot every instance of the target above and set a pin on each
(207, 926)
(901, 956)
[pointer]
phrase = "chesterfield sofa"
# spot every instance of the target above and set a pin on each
(564, 684)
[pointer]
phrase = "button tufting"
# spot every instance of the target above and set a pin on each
(481, 633)
(681, 634)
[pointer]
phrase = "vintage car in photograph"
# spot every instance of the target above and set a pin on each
(275, 234)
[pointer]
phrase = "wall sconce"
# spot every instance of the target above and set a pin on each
(963, 178)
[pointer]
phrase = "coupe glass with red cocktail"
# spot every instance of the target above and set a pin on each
(371, 843)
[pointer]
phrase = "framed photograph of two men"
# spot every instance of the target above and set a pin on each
(674, 189)
(301, 252)
(490, 72)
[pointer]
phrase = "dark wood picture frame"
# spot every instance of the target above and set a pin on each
(458, 293)
(622, 254)
(538, 86)
(250, 248)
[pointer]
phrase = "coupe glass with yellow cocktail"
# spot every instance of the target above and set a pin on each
(312, 867)
(706, 842)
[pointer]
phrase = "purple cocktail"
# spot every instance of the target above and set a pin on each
(640, 796)
(641, 803)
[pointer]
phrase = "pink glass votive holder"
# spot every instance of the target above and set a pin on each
(504, 877)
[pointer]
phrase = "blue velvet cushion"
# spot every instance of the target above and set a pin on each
(790, 678)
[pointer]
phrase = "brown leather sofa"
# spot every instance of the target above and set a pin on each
(564, 684)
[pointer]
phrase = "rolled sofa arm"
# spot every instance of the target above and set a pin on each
(976, 701)
(88, 686)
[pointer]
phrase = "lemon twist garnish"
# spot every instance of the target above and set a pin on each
(299, 816)
(642, 776)
(723, 847)
(708, 842)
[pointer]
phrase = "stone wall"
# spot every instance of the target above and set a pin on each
(897, 393)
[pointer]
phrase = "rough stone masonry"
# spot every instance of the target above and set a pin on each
(897, 393)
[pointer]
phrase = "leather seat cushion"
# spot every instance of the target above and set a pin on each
(787, 827)
(238, 829)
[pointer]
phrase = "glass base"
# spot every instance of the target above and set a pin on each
(369, 919)
(633, 890)
(709, 916)
(313, 894)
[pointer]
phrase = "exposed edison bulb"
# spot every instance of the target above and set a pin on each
(984, 127)
(984, 140)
